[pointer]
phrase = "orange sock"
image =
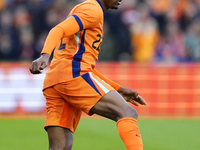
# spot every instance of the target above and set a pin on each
(129, 133)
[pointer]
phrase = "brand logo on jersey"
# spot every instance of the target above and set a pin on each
(66, 77)
(138, 135)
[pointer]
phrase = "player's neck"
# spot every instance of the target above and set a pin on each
(103, 5)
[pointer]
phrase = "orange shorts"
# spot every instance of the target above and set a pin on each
(66, 100)
(59, 111)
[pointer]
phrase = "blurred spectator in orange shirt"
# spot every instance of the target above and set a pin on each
(144, 35)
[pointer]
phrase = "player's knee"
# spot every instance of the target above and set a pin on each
(133, 113)
(60, 138)
(61, 146)
(129, 112)
(68, 145)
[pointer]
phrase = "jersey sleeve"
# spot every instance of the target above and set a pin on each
(110, 82)
(52, 39)
(70, 26)
(58, 32)
(87, 15)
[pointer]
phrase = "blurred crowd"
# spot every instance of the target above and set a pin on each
(140, 31)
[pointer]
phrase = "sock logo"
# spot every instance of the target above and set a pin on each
(138, 135)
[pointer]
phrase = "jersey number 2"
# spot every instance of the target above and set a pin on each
(97, 41)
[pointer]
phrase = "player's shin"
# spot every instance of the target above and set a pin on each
(129, 133)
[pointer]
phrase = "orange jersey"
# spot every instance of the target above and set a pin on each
(77, 54)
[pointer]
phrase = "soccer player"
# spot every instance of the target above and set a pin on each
(72, 84)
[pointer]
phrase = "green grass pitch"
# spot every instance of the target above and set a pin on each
(102, 134)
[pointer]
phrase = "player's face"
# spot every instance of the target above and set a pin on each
(112, 4)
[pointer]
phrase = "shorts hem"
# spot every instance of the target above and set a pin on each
(89, 112)
(45, 127)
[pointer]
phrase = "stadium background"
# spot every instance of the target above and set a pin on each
(152, 46)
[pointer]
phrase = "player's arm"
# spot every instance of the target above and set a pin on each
(66, 28)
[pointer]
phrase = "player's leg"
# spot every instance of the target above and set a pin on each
(89, 93)
(60, 138)
(114, 107)
(61, 120)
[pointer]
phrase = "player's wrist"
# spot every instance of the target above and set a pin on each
(45, 55)
(120, 90)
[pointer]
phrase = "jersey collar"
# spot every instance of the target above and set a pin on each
(101, 5)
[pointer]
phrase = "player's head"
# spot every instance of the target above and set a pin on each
(111, 4)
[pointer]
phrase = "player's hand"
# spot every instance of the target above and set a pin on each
(39, 64)
(131, 96)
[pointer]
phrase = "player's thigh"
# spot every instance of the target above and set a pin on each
(60, 112)
(114, 106)
(59, 138)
